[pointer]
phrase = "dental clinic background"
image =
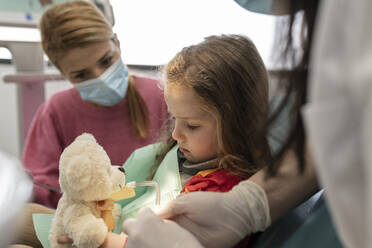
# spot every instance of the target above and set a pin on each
(151, 32)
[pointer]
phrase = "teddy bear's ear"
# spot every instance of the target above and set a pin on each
(79, 172)
(86, 137)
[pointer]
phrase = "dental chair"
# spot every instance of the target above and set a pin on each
(308, 225)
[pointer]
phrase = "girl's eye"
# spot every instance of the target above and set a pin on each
(192, 127)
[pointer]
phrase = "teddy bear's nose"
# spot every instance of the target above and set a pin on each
(121, 169)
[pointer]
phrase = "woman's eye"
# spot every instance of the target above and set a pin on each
(106, 61)
(172, 120)
(80, 75)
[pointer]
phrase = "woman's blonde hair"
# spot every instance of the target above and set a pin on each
(73, 24)
(229, 76)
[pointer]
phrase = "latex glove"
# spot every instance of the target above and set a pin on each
(221, 219)
(150, 230)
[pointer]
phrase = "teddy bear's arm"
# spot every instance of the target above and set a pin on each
(83, 227)
(116, 212)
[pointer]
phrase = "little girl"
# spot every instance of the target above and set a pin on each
(217, 94)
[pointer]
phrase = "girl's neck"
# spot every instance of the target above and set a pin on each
(190, 168)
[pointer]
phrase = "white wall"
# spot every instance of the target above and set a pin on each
(152, 32)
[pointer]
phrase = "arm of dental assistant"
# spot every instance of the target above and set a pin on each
(288, 188)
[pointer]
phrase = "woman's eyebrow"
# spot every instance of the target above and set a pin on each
(77, 72)
(107, 54)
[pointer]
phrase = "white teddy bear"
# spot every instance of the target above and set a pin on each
(87, 180)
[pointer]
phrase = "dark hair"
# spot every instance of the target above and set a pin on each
(229, 76)
(295, 80)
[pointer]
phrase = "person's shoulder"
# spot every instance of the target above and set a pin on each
(147, 84)
(61, 99)
(145, 79)
(152, 93)
(63, 95)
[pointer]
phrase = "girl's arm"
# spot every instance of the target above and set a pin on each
(114, 240)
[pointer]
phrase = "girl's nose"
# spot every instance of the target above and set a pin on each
(176, 134)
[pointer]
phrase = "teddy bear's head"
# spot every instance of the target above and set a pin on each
(85, 171)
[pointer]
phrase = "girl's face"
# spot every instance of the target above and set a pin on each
(88, 62)
(195, 129)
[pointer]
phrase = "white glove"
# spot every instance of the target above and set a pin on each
(221, 219)
(150, 230)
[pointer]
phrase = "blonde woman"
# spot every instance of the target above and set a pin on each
(122, 111)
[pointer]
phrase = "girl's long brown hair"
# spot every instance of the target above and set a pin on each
(229, 76)
(69, 25)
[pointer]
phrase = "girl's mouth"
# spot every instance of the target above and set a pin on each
(183, 150)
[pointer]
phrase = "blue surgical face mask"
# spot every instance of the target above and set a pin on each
(258, 6)
(109, 88)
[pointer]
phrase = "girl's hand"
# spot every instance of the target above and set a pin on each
(64, 240)
(149, 230)
(112, 240)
